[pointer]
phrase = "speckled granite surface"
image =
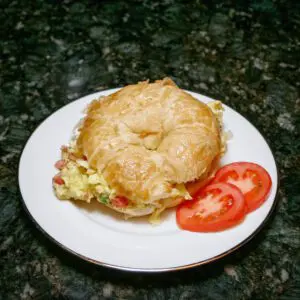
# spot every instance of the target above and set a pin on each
(247, 54)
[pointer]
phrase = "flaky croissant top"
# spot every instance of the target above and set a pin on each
(147, 137)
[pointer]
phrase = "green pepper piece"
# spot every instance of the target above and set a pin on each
(104, 198)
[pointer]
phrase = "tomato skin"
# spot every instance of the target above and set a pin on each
(243, 173)
(120, 201)
(194, 187)
(229, 209)
(58, 180)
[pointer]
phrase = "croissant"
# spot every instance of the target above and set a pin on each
(148, 140)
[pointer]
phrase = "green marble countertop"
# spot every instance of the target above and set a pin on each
(247, 55)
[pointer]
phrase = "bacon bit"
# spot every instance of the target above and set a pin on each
(60, 164)
(58, 180)
(84, 157)
(120, 201)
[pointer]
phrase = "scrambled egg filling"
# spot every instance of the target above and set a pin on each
(79, 182)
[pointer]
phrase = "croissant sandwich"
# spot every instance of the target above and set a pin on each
(138, 149)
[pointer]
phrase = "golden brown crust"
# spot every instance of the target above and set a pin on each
(147, 137)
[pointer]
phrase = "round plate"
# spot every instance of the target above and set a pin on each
(101, 236)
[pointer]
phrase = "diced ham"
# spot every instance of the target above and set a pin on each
(60, 164)
(58, 180)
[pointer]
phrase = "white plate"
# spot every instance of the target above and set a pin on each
(96, 234)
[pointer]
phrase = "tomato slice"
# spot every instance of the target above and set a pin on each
(252, 179)
(194, 187)
(119, 201)
(216, 207)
